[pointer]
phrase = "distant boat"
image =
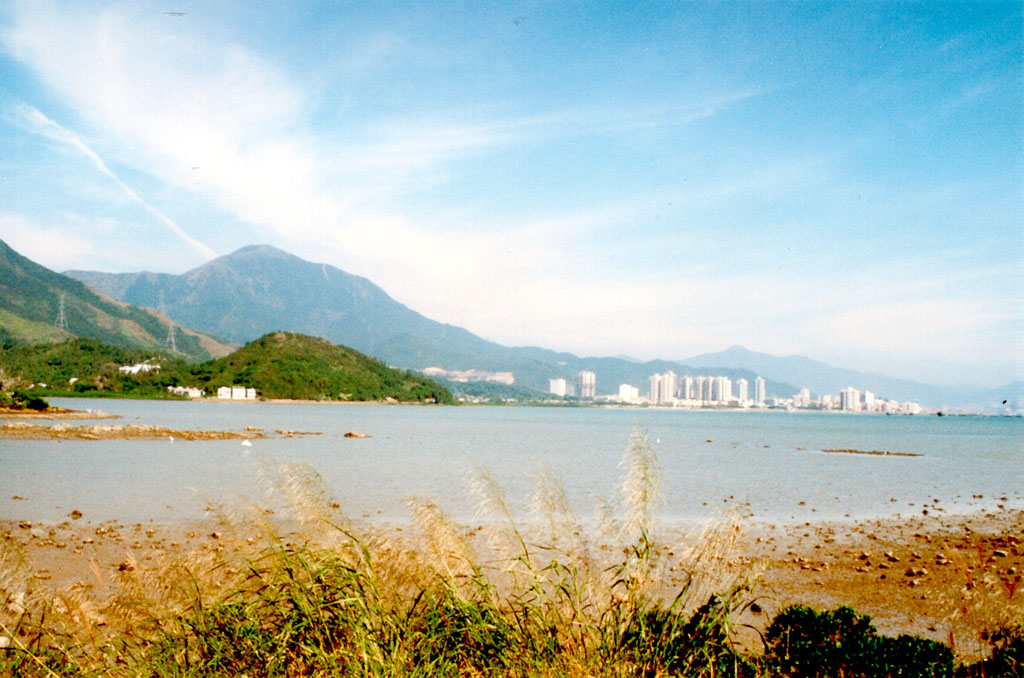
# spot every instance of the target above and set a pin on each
(246, 443)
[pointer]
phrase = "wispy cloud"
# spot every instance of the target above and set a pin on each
(36, 122)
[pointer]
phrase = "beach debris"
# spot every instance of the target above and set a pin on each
(353, 434)
(75, 515)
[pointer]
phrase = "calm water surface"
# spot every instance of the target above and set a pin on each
(770, 463)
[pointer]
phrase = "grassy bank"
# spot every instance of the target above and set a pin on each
(312, 594)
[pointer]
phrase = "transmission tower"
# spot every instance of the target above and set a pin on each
(62, 321)
(170, 342)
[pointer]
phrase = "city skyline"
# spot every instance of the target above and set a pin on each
(689, 391)
(836, 180)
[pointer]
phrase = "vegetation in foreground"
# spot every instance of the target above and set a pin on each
(278, 365)
(329, 600)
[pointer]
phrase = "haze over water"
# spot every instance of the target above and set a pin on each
(768, 463)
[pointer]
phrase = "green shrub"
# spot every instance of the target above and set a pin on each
(804, 643)
(660, 640)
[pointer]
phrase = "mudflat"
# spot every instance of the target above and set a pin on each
(946, 577)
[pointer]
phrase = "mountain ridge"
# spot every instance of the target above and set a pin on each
(260, 288)
(33, 299)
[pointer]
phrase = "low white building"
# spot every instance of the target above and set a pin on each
(236, 393)
(135, 369)
(190, 391)
(629, 393)
(558, 387)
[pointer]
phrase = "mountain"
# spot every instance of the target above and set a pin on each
(822, 378)
(261, 289)
(33, 298)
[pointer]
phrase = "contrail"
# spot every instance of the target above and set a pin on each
(35, 121)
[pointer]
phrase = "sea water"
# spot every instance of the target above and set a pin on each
(770, 465)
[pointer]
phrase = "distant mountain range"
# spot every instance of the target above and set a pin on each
(260, 289)
(33, 299)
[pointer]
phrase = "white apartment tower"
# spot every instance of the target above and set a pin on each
(849, 400)
(629, 393)
(760, 391)
(698, 393)
(662, 387)
(686, 388)
(722, 389)
(558, 387)
(743, 390)
(587, 384)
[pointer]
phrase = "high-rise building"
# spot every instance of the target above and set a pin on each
(743, 390)
(760, 391)
(587, 384)
(558, 387)
(721, 389)
(699, 385)
(628, 393)
(686, 388)
(849, 400)
(662, 388)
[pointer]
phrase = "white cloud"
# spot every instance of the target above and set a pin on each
(189, 105)
(37, 123)
(56, 247)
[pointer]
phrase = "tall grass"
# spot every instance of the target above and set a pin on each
(312, 594)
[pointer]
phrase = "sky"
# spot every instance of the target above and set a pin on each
(841, 180)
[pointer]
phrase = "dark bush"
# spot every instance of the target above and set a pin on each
(804, 643)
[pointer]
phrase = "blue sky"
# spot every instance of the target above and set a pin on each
(838, 180)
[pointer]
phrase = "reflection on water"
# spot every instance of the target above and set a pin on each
(768, 462)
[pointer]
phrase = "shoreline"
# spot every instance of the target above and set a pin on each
(939, 577)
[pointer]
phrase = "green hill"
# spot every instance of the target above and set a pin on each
(30, 305)
(89, 367)
(278, 365)
(295, 366)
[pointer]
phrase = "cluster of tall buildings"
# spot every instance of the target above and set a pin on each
(670, 389)
(854, 400)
